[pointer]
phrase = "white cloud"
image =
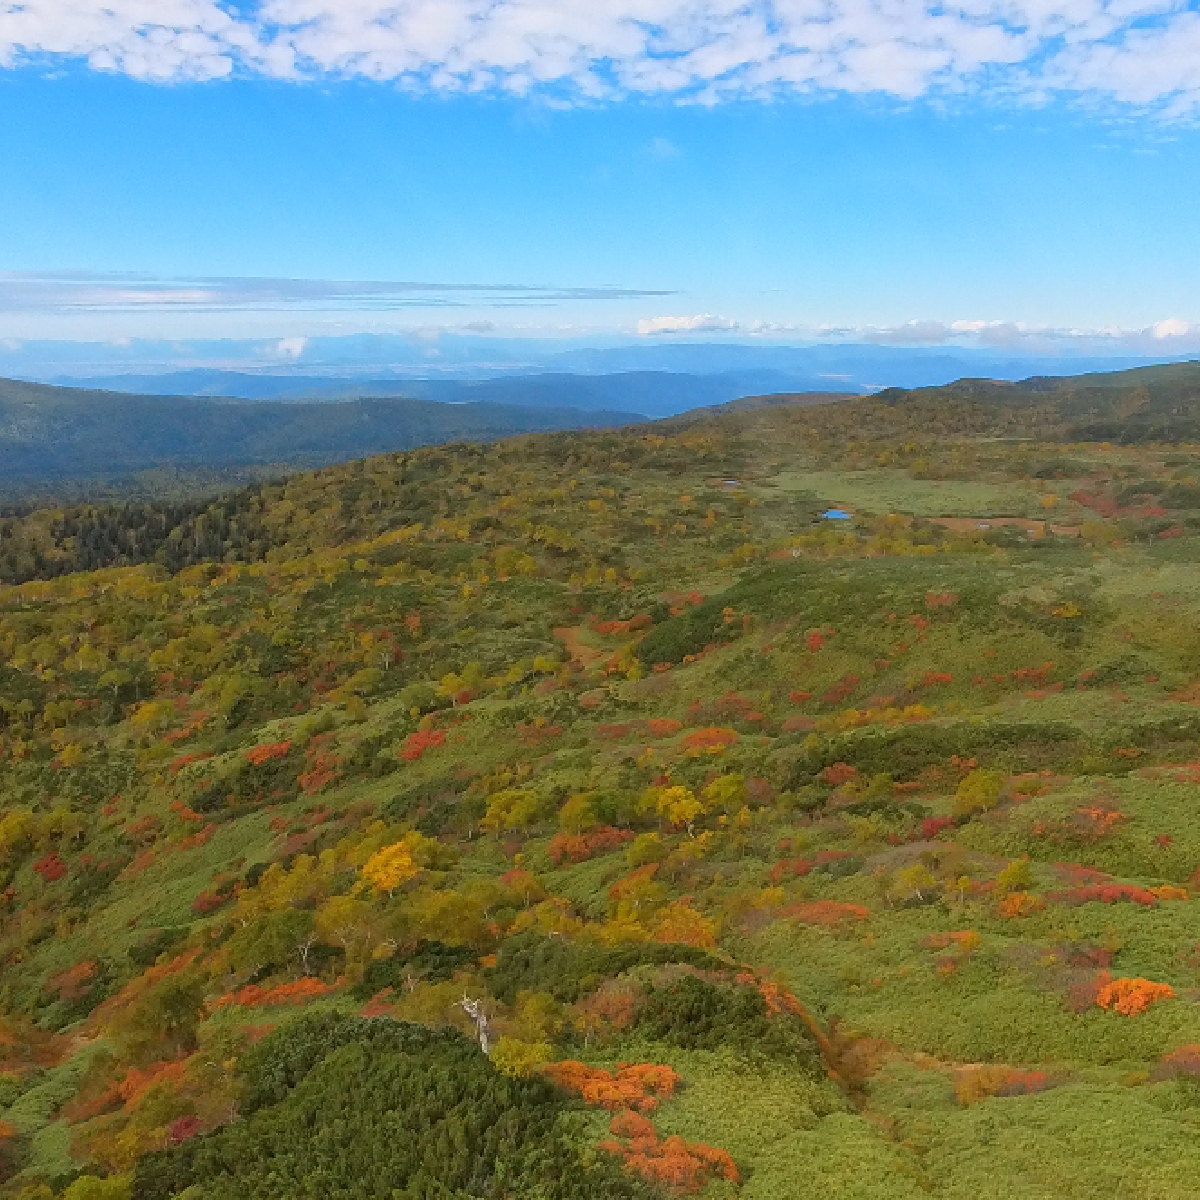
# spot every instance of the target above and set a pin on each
(701, 323)
(1140, 52)
(1173, 327)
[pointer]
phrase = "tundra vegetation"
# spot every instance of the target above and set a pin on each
(770, 857)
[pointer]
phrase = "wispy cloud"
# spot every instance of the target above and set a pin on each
(67, 293)
(1139, 52)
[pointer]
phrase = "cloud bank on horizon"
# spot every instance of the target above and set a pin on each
(1169, 336)
(1144, 53)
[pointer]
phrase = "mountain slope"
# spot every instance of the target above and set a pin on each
(51, 433)
(777, 858)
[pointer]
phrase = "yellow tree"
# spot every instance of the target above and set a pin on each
(680, 806)
(393, 866)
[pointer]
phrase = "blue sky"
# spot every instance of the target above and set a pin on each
(1016, 177)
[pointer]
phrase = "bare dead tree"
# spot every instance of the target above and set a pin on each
(474, 1010)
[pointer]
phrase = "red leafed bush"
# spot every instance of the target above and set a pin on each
(932, 678)
(1108, 893)
(838, 773)
(578, 847)
(1077, 873)
(50, 867)
(799, 867)
(211, 899)
(322, 770)
(932, 826)
(612, 733)
(183, 1128)
(419, 741)
(842, 690)
(261, 754)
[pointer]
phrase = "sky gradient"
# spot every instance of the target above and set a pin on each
(999, 177)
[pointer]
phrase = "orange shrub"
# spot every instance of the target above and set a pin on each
(1131, 996)
(138, 1082)
(681, 1167)
(711, 740)
(261, 754)
(1021, 904)
(638, 1086)
(661, 727)
(296, 992)
(1168, 892)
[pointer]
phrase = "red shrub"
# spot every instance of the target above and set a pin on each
(419, 741)
(183, 1128)
(1108, 893)
(712, 738)
(50, 867)
(842, 690)
(611, 733)
(932, 826)
(799, 867)
(579, 847)
(838, 773)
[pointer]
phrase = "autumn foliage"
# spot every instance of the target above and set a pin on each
(299, 991)
(1130, 996)
(679, 1166)
(637, 1086)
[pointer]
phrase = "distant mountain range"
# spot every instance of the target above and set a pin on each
(91, 439)
(267, 368)
(53, 433)
(650, 393)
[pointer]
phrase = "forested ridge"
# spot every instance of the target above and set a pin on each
(56, 437)
(585, 814)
